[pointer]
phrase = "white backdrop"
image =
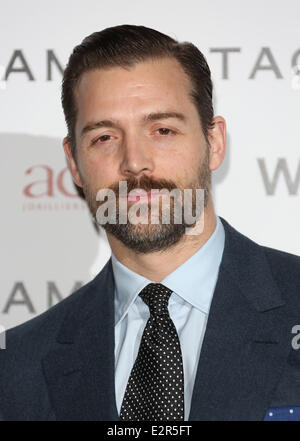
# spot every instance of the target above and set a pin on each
(48, 243)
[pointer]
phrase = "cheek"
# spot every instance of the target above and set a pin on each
(191, 164)
(186, 159)
(95, 173)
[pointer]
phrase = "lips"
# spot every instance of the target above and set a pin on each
(136, 196)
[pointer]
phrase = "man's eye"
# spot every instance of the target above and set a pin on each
(102, 138)
(165, 131)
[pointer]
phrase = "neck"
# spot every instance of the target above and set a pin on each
(157, 265)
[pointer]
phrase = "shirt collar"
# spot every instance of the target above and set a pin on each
(128, 285)
(193, 281)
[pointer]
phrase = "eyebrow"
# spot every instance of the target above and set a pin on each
(154, 116)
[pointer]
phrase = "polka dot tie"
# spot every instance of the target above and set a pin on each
(155, 389)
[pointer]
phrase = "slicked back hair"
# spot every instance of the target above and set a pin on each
(125, 46)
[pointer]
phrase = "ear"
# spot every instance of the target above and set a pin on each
(217, 140)
(71, 162)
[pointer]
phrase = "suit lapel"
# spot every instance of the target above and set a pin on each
(80, 370)
(247, 338)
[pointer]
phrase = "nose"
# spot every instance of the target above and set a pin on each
(137, 158)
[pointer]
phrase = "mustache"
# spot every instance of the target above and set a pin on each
(144, 183)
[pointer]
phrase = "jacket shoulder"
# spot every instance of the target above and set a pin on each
(285, 267)
(41, 330)
(279, 256)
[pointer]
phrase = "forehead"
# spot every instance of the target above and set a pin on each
(128, 91)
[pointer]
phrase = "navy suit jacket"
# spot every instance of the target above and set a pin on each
(60, 365)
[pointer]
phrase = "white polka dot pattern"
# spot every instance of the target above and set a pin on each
(155, 389)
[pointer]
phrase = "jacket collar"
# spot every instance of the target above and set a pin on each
(80, 370)
(247, 265)
(247, 338)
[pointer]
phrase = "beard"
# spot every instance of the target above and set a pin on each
(150, 237)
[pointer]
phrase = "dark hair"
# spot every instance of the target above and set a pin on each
(126, 45)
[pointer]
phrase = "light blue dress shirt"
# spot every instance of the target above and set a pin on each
(192, 285)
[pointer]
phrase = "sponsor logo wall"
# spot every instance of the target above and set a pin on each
(49, 245)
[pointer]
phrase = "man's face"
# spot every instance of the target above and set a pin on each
(139, 125)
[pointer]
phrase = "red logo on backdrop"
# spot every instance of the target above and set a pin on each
(50, 190)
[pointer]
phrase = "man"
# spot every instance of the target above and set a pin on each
(180, 324)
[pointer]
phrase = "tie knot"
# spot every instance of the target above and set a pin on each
(156, 296)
